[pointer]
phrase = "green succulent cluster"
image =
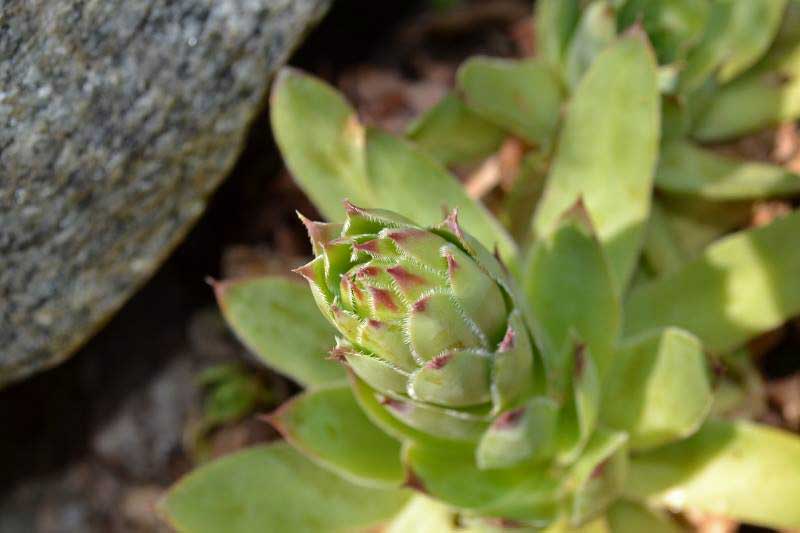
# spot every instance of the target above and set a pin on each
(560, 382)
(443, 359)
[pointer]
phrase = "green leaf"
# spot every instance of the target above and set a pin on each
(673, 26)
(523, 96)
(740, 470)
(555, 22)
(321, 140)
(607, 153)
(742, 286)
(567, 275)
(280, 322)
(598, 474)
(425, 515)
(454, 134)
(415, 185)
(328, 426)
(737, 35)
(767, 95)
(661, 248)
(695, 223)
(658, 390)
(630, 517)
(704, 59)
(270, 488)
(526, 493)
(578, 418)
(753, 27)
(688, 169)
(597, 29)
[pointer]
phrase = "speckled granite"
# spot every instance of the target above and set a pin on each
(117, 119)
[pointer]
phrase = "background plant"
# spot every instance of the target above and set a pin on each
(607, 152)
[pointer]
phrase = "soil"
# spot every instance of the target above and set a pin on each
(91, 445)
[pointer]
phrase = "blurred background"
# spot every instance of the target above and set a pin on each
(91, 444)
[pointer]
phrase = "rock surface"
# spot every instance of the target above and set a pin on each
(118, 118)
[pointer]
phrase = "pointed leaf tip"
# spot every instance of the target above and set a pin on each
(509, 340)
(509, 419)
(414, 482)
(451, 222)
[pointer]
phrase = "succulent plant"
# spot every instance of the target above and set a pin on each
(561, 381)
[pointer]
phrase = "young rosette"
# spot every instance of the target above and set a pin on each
(441, 358)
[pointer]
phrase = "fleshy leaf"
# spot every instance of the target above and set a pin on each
(425, 515)
(454, 134)
(674, 26)
(689, 169)
(370, 401)
(630, 517)
(321, 140)
(658, 390)
(598, 475)
(578, 418)
(455, 379)
(596, 30)
(328, 426)
(740, 470)
(274, 487)
(555, 22)
(279, 321)
(607, 152)
(741, 286)
(753, 27)
(528, 493)
(569, 287)
(766, 95)
(524, 433)
(413, 184)
(522, 96)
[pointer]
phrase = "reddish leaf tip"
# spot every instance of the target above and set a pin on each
(403, 277)
(338, 353)
(414, 482)
(422, 304)
(451, 222)
(509, 340)
(307, 271)
(382, 298)
(439, 362)
(370, 247)
(351, 208)
(509, 419)
(599, 470)
(452, 264)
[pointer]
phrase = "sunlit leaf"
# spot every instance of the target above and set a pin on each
(767, 95)
(454, 134)
(630, 517)
(329, 426)
(658, 390)
(596, 30)
(522, 96)
(740, 470)
(741, 286)
(321, 141)
(274, 488)
(689, 169)
(413, 184)
(280, 322)
(607, 153)
(567, 275)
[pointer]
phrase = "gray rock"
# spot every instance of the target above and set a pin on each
(118, 118)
